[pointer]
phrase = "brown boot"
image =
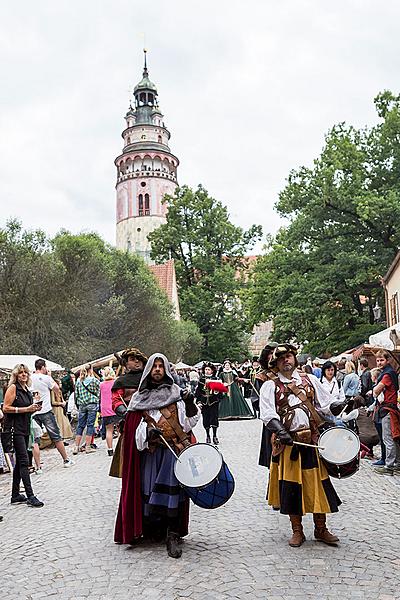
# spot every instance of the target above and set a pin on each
(298, 536)
(320, 531)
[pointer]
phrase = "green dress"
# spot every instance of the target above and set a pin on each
(233, 405)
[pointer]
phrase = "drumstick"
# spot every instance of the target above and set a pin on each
(168, 446)
(309, 445)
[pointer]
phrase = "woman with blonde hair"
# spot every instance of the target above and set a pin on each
(19, 405)
(351, 381)
(107, 414)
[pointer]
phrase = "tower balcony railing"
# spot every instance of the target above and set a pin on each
(146, 173)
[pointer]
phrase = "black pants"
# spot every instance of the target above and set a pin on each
(210, 415)
(21, 469)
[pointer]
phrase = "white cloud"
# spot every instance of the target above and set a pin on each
(248, 91)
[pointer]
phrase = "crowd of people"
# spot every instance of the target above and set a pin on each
(151, 408)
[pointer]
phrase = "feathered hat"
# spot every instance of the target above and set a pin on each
(279, 351)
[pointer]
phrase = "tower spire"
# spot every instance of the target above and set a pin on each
(145, 71)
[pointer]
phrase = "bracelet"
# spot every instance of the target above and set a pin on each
(16, 409)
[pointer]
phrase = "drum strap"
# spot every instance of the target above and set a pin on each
(305, 398)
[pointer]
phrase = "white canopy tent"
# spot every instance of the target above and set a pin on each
(182, 366)
(388, 338)
(9, 361)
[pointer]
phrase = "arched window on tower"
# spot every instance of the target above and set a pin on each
(146, 204)
(159, 139)
(140, 205)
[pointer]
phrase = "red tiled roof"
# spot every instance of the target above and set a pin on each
(165, 276)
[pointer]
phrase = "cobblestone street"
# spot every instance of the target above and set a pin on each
(66, 549)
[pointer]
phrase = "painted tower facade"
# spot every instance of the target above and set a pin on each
(146, 170)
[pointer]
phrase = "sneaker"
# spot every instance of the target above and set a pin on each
(110, 452)
(384, 471)
(378, 463)
(35, 502)
(19, 499)
(93, 446)
(75, 450)
(90, 449)
(39, 471)
(68, 463)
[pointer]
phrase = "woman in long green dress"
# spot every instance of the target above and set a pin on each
(233, 405)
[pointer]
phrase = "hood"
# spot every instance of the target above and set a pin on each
(168, 379)
(148, 397)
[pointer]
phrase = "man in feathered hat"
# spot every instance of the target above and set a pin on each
(152, 503)
(133, 362)
(292, 406)
(209, 400)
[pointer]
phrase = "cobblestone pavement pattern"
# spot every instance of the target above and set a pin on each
(240, 550)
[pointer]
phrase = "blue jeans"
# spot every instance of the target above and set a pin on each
(86, 418)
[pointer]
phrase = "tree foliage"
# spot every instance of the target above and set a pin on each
(208, 251)
(320, 276)
(74, 298)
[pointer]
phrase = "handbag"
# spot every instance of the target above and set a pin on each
(7, 440)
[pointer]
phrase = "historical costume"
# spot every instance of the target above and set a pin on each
(152, 503)
(291, 405)
(233, 405)
(209, 400)
(64, 425)
(262, 375)
(133, 362)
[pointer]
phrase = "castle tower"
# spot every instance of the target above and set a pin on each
(146, 170)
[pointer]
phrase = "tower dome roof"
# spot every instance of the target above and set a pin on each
(145, 84)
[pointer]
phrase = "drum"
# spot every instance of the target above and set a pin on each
(204, 475)
(341, 451)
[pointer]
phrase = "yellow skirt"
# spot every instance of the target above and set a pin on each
(299, 483)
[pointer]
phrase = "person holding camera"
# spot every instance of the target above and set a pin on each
(19, 405)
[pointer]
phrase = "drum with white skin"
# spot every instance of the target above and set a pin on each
(340, 451)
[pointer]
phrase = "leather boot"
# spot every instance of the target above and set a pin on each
(208, 439)
(215, 438)
(173, 549)
(298, 536)
(320, 531)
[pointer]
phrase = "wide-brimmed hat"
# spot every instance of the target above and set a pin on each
(265, 353)
(279, 351)
(133, 353)
(210, 365)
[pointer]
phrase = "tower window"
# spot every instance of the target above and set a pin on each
(140, 205)
(159, 139)
(143, 137)
(146, 204)
(143, 184)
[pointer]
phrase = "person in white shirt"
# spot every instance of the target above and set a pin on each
(291, 406)
(43, 384)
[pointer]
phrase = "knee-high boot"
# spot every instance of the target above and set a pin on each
(298, 536)
(208, 439)
(320, 531)
(215, 438)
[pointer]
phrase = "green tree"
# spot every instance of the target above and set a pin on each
(75, 298)
(320, 276)
(208, 251)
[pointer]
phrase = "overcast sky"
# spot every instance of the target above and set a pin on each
(248, 90)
